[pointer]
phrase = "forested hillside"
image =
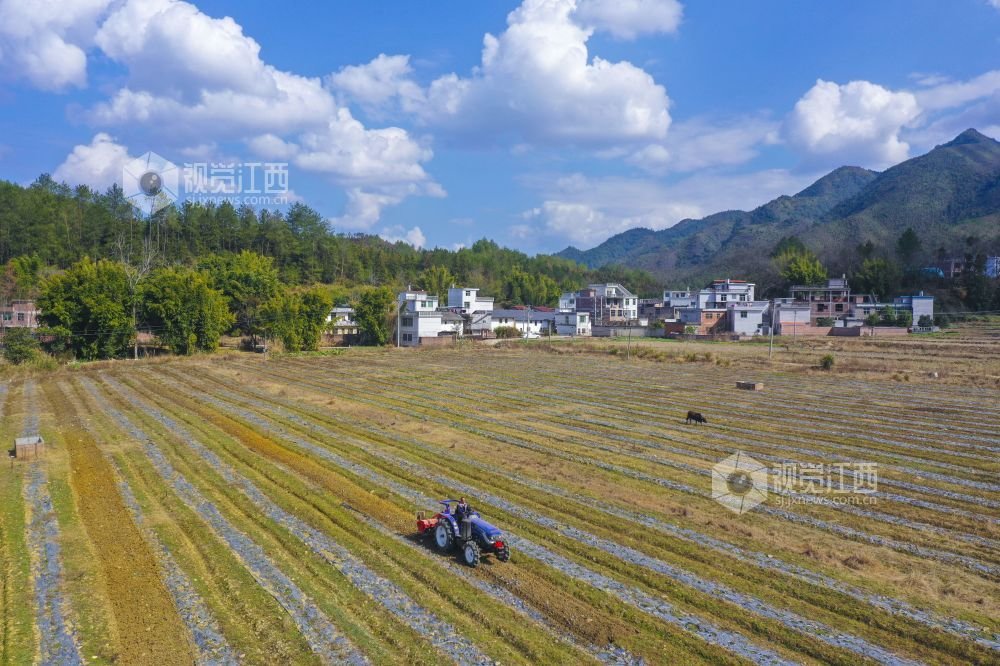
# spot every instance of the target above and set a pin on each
(57, 225)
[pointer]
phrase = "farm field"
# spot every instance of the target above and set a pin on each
(233, 509)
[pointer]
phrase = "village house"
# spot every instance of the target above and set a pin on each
(531, 322)
(829, 301)
(476, 311)
(724, 306)
(19, 314)
(421, 322)
(573, 323)
(605, 303)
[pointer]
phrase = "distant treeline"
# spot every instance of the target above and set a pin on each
(56, 226)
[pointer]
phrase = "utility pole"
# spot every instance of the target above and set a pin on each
(628, 345)
(770, 345)
(399, 321)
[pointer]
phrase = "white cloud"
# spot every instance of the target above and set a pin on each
(46, 42)
(627, 19)
(585, 211)
(538, 83)
(950, 94)
(98, 165)
(197, 79)
(378, 82)
(397, 233)
(702, 143)
(858, 122)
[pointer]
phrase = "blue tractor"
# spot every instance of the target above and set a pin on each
(473, 536)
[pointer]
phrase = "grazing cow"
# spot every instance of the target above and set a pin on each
(696, 417)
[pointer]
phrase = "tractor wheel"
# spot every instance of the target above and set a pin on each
(504, 553)
(443, 536)
(470, 553)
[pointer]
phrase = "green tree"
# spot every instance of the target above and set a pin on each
(372, 311)
(975, 284)
(248, 281)
(866, 250)
(505, 332)
(801, 268)
(187, 313)
(92, 305)
(878, 276)
(436, 280)
(788, 245)
(907, 246)
(297, 317)
(19, 345)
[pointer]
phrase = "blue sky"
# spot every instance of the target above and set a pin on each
(539, 124)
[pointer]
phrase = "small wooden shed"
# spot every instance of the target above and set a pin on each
(750, 386)
(29, 447)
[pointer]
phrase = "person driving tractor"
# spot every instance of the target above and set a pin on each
(462, 509)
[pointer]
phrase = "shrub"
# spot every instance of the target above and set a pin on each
(824, 321)
(826, 362)
(19, 345)
(925, 321)
(505, 332)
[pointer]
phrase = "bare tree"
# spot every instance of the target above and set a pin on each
(137, 267)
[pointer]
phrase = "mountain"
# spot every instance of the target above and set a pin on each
(947, 195)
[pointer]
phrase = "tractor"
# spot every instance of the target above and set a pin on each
(473, 536)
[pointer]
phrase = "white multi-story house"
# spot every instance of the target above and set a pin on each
(420, 319)
(748, 317)
(476, 310)
(572, 323)
(680, 298)
(467, 299)
(606, 303)
(724, 306)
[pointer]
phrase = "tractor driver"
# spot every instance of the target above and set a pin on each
(462, 510)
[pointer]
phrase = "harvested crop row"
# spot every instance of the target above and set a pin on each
(323, 637)
(633, 596)
(454, 419)
(475, 616)
(631, 556)
(144, 604)
(439, 633)
(613, 431)
(758, 559)
(56, 638)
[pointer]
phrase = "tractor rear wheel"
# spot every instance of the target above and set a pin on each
(443, 536)
(503, 554)
(470, 553)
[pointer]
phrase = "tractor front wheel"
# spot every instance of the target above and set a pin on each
(443, 536)
(470, 553)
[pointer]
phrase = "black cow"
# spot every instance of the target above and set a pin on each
(696, 417)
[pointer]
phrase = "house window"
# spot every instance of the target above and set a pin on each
(20, 316)
(821, 307)
(743, 315)
(7, 316)
(407, 321)
(839, 307)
